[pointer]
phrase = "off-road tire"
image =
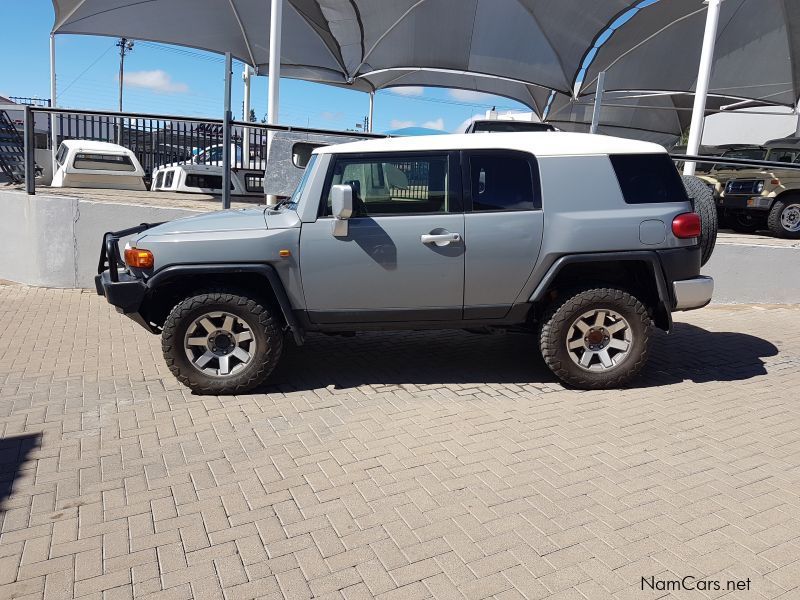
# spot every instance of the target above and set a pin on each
(266, 331)
(561, 315)
(774, 219)
(704, 206)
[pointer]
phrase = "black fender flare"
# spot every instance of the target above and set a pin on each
(268, 272)
(666, 301)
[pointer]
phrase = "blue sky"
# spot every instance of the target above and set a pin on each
(173, 80)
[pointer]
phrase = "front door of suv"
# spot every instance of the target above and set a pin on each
(391, 266)
(503, 226)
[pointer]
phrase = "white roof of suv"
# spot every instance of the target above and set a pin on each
(549, 143)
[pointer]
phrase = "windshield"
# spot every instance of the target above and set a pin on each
(745, 153)
(510, 126)
(295, 198)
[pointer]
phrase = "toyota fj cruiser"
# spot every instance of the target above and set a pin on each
(587, 241)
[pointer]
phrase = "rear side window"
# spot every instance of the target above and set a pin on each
(502, 181)
(648, 178)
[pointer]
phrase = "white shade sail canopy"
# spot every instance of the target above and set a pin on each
(514, 48)
(757, 53)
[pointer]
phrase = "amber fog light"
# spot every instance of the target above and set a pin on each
(139, 258)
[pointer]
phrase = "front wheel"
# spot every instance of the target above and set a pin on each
(221, 342)
(596, 339)
(784, 219)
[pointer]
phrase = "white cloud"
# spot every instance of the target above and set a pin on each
(435, 124)
(469, 96)
(398, 124)
(465, 123)
(407, 90)
(156, 81)
(332, 116)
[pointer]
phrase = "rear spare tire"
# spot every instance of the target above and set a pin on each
(704, 206)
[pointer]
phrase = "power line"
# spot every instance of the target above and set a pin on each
(96, 60)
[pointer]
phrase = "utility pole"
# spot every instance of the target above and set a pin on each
(125, 45)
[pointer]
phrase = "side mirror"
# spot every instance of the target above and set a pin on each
(342, 208)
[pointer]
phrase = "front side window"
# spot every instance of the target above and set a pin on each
(502, 182)
(394, 185)
(103, 162)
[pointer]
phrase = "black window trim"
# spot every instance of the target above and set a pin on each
(455, 188)
(466, 179)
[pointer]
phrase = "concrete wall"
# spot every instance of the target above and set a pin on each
(745, 274)
(54, 241)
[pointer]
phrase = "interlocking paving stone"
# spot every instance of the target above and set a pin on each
(394, 465)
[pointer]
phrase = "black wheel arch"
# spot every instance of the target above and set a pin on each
(639, 272)
(171, 284)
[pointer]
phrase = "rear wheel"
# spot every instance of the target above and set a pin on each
(221, 342)
(597, 338)
(704, 206)
(784, 218)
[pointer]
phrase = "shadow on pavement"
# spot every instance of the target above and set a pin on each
(456, 357)
(14, 452)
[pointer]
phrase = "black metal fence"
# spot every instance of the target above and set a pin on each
(30, 101)
(157, 142)
(162, 139)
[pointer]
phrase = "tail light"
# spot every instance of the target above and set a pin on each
(686, 225)
(139, 258)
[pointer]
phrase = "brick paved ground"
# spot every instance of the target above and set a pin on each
(400, 466)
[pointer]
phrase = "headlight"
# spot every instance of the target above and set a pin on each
(759, 187)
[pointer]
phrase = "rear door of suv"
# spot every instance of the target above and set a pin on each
(503, 228)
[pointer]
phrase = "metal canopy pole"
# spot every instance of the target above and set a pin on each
(598, 101)
(53, 134)
(273, 95)
(246, 74)
(703, 80)
(226, 135)
(797, 112)
(371, 110)
(30, 160)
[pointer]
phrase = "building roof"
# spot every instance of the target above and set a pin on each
(540, 144)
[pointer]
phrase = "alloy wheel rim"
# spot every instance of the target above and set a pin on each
(790, 218)
(599, 340)
(219, 344)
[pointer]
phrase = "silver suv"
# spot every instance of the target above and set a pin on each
(585, 241)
